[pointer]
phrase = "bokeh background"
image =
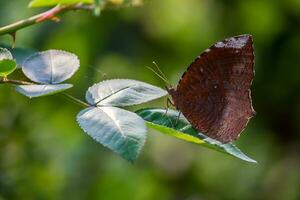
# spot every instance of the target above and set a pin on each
(45, 155)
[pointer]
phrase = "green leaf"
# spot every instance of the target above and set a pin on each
(7, 67)
(122, 92)
(41, 90)
(122, 131)
(50, 67)
(18, 54)
(170, 123)
(43, 3)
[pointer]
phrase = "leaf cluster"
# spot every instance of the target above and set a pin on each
(104, 117)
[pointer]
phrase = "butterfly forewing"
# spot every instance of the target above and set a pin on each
(214, 93)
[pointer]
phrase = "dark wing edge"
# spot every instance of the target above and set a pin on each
(244, 39)
(236, 42)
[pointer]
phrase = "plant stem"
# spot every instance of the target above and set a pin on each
(75, 100)
(19, 82)
(48, 15)
(16, 82)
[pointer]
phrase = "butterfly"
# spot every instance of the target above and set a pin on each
(214, 92)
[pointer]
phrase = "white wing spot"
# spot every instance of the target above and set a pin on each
(219, 44)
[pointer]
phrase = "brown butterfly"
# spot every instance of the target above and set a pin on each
(214, 92)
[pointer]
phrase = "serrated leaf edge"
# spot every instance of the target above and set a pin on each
(96, 104)
(106, 146)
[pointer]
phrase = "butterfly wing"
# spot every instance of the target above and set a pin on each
(214, 93)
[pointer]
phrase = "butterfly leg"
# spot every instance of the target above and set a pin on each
(167, 107)
(169, 103)
(177, 119)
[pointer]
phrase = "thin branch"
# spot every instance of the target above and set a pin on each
(75, 100)
(39, 18)
(19, 82)
(15, 82)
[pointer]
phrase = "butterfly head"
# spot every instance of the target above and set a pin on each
(173, 92)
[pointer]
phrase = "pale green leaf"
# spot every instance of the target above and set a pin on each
(121, 131)
(50, 67)
(43, 3)
(122, 92)
(170, 123)
(5, 54)
(41, 90)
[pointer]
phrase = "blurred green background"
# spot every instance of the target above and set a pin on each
(45, 155)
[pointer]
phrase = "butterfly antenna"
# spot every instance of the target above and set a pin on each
(162, 74)
(159, 70)
(159, 75)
